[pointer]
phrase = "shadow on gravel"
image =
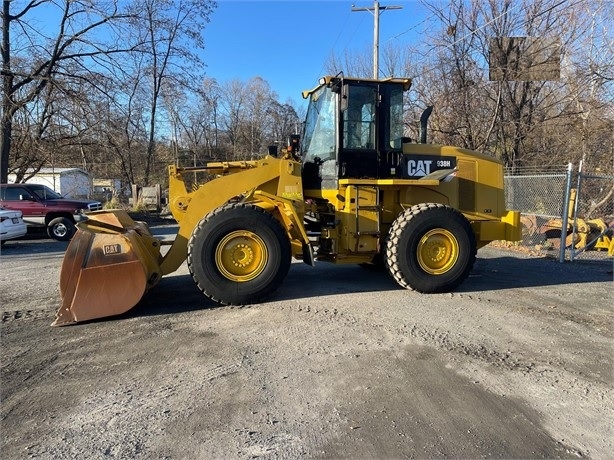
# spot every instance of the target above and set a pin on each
(34, 242)
(173, 294)
(509, 272)
(178, 293)
(493, 271)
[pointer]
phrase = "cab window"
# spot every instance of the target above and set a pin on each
(359, 118)
(13, 194)
(320, 126)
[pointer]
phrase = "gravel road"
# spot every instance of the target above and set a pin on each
(339, 363)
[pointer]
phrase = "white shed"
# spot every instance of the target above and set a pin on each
(69, 182)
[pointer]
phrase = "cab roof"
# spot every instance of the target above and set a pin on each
(329, 80)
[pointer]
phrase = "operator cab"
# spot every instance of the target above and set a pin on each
(353, 129)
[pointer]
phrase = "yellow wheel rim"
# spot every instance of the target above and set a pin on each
(241, 256)
(437, 251)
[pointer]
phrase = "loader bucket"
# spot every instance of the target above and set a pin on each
(109, 265)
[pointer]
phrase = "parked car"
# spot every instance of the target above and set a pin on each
(11, 225)
(42, 207)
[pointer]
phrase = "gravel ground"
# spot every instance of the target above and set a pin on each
(339, 363)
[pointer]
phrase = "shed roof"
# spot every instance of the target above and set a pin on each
(60, 170)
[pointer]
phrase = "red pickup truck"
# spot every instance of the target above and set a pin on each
(42, 207)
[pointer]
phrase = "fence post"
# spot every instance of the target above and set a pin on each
(572, 252)
(565, 215)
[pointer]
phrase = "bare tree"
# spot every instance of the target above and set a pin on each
(36, 65)
(351, 63)
(516, 117)
(523, 119)
(258, 116)
(284, 122)
(123, 130)
(251, 118)
(210, 107)
(170, 31)
(589, 92)
(194, 122)
(232, 105)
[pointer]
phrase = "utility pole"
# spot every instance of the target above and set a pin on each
(376, 10)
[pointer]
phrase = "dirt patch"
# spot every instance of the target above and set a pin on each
(339, 363)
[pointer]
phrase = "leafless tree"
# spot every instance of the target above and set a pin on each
(194, 122)
(352, 63)
(232, 106)
(37, 59)
(284, 122)
(257, 123)
(210, 96)
(252, 119)
(359, 63)
(515, 118)
(170, 31)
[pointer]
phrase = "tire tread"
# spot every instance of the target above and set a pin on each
(396, 230)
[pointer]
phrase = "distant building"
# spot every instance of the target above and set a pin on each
(69, 182)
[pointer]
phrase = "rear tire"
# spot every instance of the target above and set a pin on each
(61, 229)
(431, 248)
(238, 254)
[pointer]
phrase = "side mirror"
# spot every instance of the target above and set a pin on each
(26, 198)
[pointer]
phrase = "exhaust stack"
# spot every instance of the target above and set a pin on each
(424, 122)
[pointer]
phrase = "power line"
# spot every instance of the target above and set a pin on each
(411, 28)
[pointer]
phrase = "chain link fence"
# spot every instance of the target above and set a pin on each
(564, 198)
(539, 194)
(593, 216)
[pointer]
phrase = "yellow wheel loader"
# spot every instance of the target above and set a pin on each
(351, 190)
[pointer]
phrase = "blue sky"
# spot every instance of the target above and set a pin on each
(288, 42)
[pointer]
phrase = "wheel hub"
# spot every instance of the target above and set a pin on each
(437, 251)
(241, 256)
(60, 230)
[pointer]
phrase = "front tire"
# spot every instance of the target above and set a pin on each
(61, 229)
(239, 254)
(431, 248)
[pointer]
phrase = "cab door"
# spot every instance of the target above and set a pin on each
(358, 157)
